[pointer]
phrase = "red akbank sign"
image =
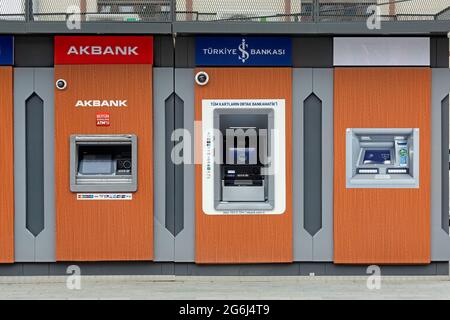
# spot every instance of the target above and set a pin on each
(104, 50)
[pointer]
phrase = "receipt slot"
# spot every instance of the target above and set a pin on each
(103, 163)
(382, 158)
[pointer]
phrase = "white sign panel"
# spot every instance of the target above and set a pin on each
(381, 51)
(104, 196)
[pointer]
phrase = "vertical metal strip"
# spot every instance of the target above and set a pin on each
(170, 167)
(445, 163)
(313, 164)
(35, 213)
(179, 168)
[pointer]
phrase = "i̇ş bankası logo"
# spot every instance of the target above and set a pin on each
(243, 52)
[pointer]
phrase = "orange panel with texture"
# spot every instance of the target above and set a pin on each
(104, 230)
(382, 226)
(245, 239)
(6, 167)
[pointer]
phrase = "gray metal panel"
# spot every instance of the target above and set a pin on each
(323, 87)
(312, 157)
(174, 121)
(27, 247)
(142, 268)
(347, 28)
(312, 52)
(46, 27)
(185, 240)
(445, 163)
(163, 51)
(45, 241)
(301, 89)
(179, 168)
(169, 127)
(34, 127)
(24, 241)
(328, 28)
(162, 89)
(185, 52)
(33, 51)
(319, 82)
(439, 48)
(442, 47)
(440, 239)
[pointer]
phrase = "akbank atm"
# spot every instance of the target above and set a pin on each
(103, 163)
(382, 158)
(104, 149)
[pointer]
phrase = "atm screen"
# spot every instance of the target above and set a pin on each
(377, 157)
(96, 164)
(243, 155)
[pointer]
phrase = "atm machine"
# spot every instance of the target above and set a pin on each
(382, 158)
(104, 150)
(241, 175)
(242, 178)
(381, 198)
(103, 163)
(243, 206)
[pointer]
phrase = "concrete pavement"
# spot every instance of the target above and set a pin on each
(151, 287)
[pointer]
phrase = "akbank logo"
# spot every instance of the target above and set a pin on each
(101, 103)
(244, 53)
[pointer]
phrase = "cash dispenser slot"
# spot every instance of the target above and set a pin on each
(103, 163)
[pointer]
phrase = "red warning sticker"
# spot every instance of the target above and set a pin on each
(103, 119)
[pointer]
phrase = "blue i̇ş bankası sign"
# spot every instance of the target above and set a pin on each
(243, 51)
(6, 50)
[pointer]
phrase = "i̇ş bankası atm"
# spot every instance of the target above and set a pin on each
(243, 169)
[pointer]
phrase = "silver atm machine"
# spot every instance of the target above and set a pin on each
(382, 158)
(244, 157)
(103, 163)
(242, 177)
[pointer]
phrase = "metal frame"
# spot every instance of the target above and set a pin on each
(391, 24)
(356, 180)
(102, 184)
(348, 28)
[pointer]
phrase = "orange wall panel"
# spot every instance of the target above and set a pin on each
(245, 239)
(104, 230)
(6, 166)
(383, 226)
